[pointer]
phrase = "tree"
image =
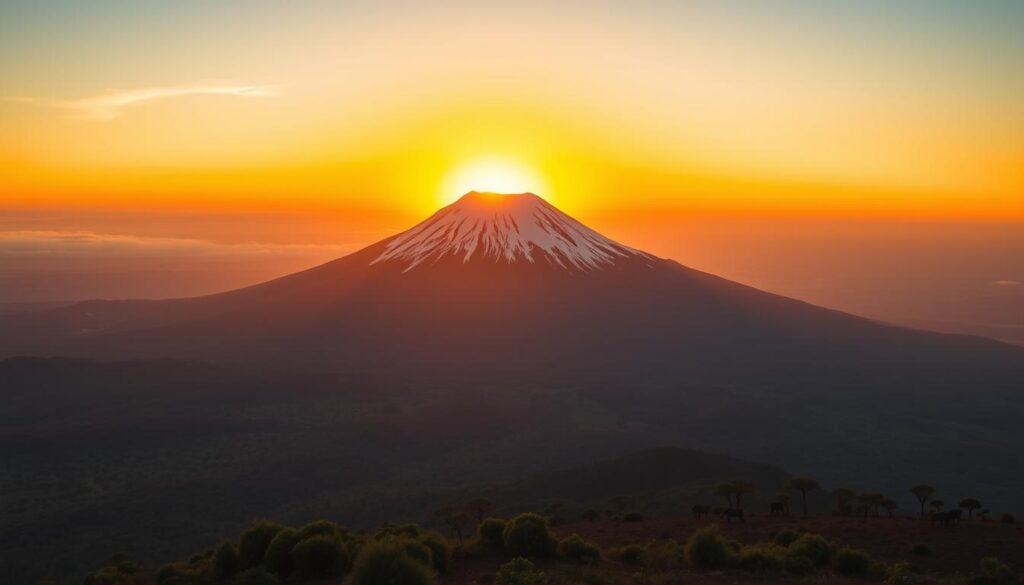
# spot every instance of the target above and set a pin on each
(842, 497)
(923, 492)
(937, 504)
(457, 521)
(970, 504)
(741, 487)
(725, 490)
(871, 501)
(890, 506)
(479, 507)
(802, 485)
(784, 500)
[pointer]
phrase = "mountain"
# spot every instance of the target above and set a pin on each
(506, 298)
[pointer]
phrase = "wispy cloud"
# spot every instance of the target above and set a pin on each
(27, 244)
(1006, 283)
(108, 105)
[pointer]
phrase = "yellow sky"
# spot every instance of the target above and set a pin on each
(714, 109)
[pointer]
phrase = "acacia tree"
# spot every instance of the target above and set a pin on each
(890, 506)
(725, 490)
(842, 497)
(741, 487)
(871, 501)
(937, 504)
(970, 504)
(923, 492)
(802, 485)
(479, 507)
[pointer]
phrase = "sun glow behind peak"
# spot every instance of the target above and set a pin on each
(491, 174)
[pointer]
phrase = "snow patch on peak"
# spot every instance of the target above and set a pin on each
(506, 228)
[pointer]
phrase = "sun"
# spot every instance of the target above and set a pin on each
(493, 174)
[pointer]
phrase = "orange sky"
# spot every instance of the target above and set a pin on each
(288, 135)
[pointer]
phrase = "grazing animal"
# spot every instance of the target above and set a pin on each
(730, 513)
(701, 511)
(947, 518)
(778, 509)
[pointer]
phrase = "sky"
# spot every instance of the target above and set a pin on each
(234, 141)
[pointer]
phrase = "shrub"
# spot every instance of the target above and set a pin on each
(406, 530)
(252, 546)
(632, 554)
(320, 556)
(319, 527)
(440, 550)
(633, 517)
(225, 561)
(492, 530)
(814, 548)
(256, 576)
(528, 535)
(850, 561)
(768, 559)
(577, 549)
(519, 571)
(921, 549)
(278, 557)
(786, 537)
(992, 572)
(388, 561)
(1007, 518)
(900, 574)
(664, 555)
(796, 565)
(706, 549)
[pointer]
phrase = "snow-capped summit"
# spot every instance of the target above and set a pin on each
(506, 228)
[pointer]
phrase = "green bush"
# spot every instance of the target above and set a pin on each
(814, 548)
(225, 561)
(920, 549)
(441, 551)
(120, 571)
(528, 535)
(278, 557)
(662, 556)
(577, 549)
(633, 517)
(256, 576)
(319, 527)
(767, 559)
(707, 549)
(632, 554)
(850, 561)
(320, 556)
(388, 562)
(900, 574)
(519, 571)
(786, 538)
(407, 530)
(992, 572)
(252, 546)
(492, 531)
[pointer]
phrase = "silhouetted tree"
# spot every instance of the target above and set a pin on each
(842, 497)
(802, 485)
(726, 490)
(741, 487)
(479, 508)
(871, 501)
(890, 506)
(923, 492)
(937, 504)
(458, 521)
(784, 500)
(970, 504)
